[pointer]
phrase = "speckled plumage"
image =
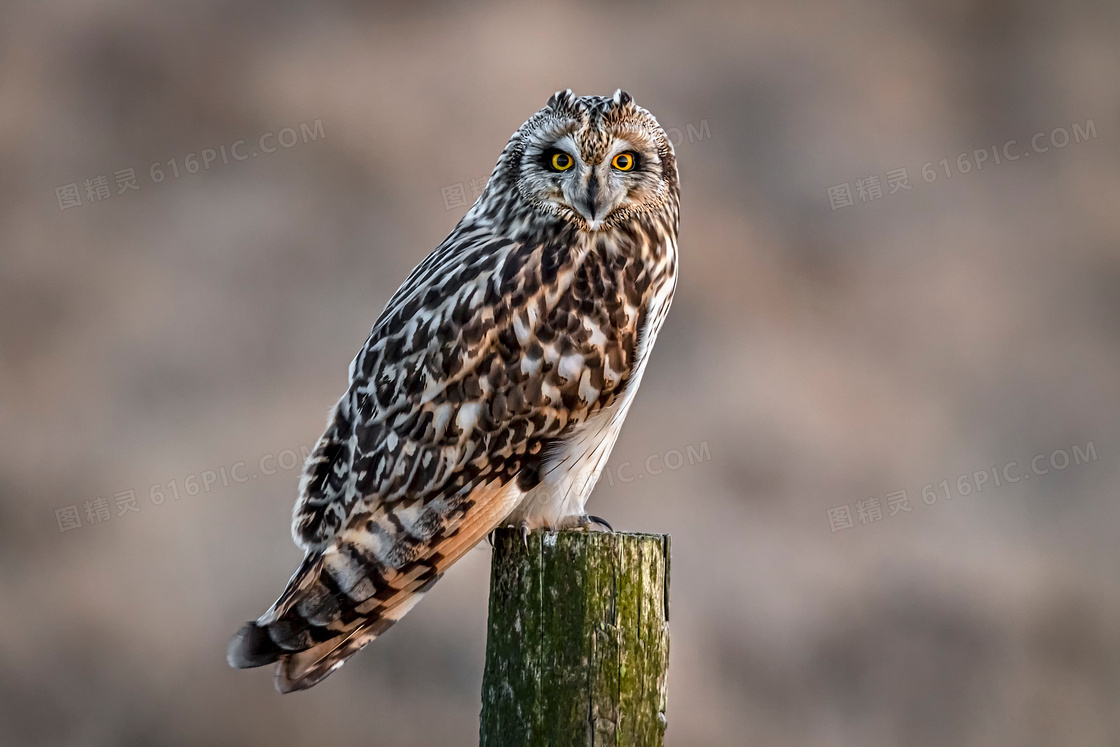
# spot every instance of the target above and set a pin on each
(492, 387)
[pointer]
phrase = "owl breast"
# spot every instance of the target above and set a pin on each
(572, 465)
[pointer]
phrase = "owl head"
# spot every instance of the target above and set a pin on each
(592, 161)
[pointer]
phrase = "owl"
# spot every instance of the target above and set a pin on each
(493, 386)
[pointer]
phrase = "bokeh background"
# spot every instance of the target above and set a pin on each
(818, 355)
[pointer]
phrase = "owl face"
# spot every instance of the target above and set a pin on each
(594, 161)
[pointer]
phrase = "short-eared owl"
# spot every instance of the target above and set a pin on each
(493, 386)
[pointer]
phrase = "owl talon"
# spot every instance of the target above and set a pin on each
(587, 520)
(525, 529)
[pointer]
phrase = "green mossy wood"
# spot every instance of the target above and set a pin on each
(578, 640)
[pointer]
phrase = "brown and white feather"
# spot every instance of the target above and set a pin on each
(490, 391)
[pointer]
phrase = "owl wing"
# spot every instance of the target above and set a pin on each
(486, 355)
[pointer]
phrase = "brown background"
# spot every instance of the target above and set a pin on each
(824, 357)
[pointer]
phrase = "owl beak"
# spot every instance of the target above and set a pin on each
(589, 206)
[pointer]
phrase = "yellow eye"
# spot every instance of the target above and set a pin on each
(561, 161)
(623, 161)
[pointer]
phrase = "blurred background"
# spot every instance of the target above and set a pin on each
(882, 422)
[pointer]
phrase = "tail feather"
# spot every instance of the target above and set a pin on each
(252, 647)
(344, 596)
(315, 626)
(307, 668)
(331, 609)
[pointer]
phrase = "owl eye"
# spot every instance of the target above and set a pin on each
(624, 161)
(560, 161)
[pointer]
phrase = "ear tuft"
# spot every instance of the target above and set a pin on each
(560, 100)
(622, 98)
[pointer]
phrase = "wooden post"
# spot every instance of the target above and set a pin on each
(578, 640)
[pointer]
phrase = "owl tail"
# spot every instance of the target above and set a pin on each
(317, 624)
(345, 595)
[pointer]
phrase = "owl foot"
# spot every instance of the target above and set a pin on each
(586, 521)
(523, 526)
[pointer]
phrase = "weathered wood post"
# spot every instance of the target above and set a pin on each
(578, 640)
